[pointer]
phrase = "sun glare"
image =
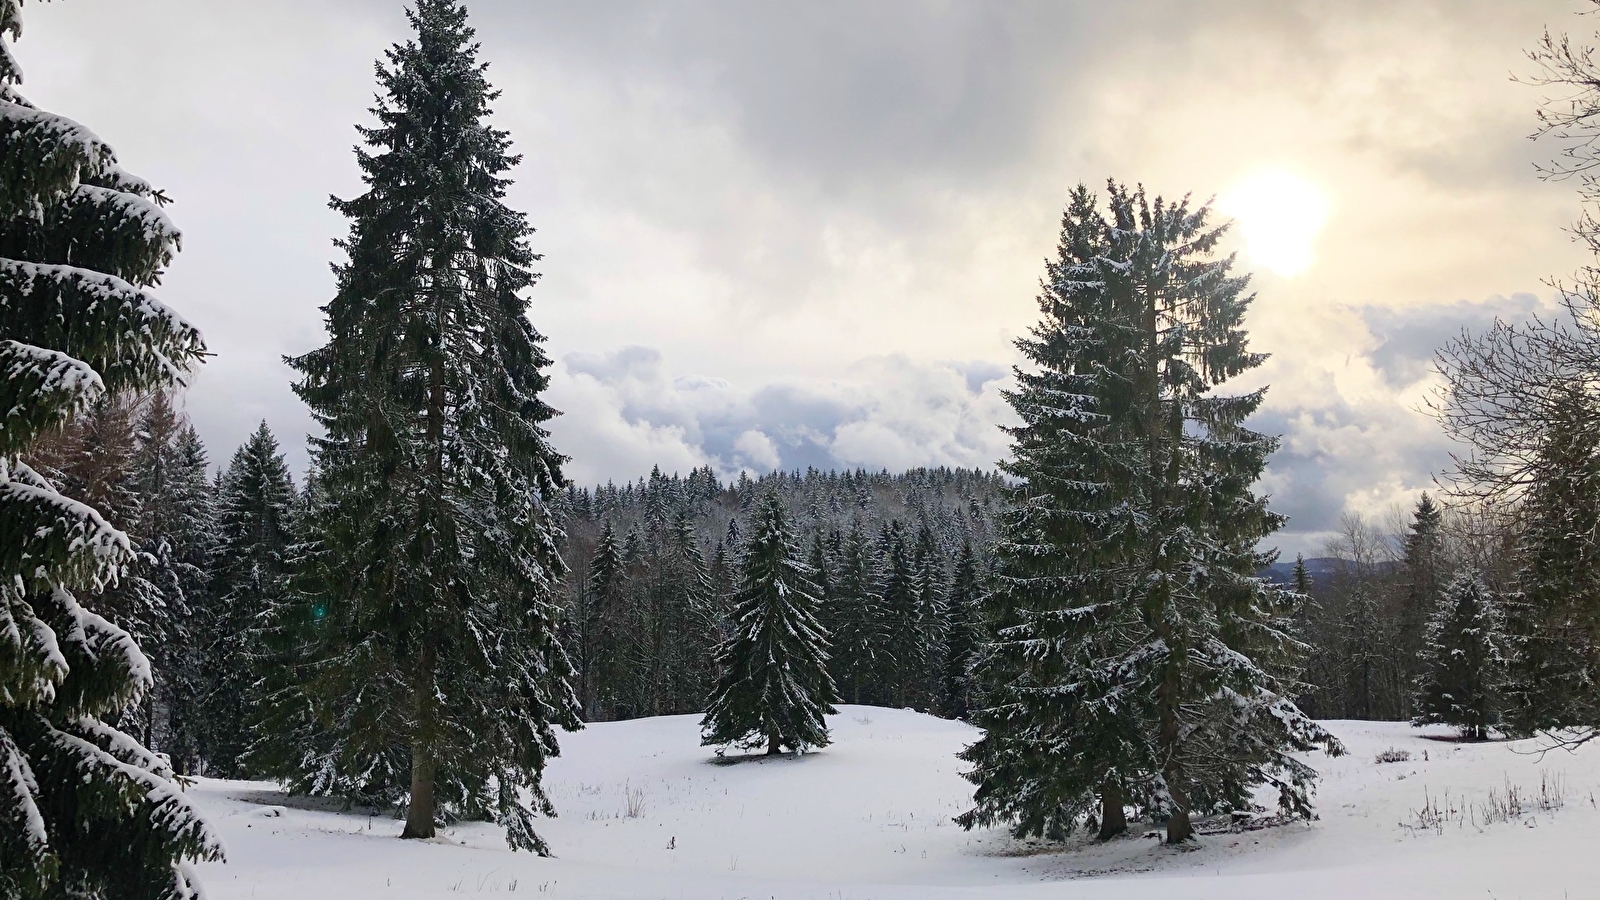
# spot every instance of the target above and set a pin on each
(1280, 214)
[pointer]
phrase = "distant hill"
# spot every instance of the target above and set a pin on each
(1320, 569)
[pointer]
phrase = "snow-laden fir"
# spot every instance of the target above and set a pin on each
(85, 809)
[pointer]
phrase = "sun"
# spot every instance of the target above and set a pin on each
(1280, 215)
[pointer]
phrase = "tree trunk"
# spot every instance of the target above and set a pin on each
(419, 814)
(1178, 827)
(1113, 818)
(772, 744)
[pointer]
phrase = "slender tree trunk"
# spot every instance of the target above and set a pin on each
(1113, 818)
(1178, 827)
(419, 814)
(772, 744)
(657, 651)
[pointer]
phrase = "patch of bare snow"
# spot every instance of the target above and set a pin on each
(645, 812)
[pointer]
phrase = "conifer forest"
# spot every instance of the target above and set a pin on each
(447, 599)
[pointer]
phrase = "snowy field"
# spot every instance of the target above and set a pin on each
(646, 814)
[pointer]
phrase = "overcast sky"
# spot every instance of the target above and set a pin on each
(807, 233)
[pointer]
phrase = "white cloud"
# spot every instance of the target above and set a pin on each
(624, 412)
(818, 207)
(755, 451)
(604, 442)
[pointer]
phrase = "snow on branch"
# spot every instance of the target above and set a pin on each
(122, 331)
(44, 157)
(40, 388)
(51, 536)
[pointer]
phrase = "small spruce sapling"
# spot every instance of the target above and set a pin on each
(774, 688)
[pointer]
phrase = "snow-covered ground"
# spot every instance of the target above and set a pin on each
(646, 813)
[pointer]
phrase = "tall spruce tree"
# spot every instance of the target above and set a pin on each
(85, 810)
(1136, 655)
(1372, 685)
(123, 457)
(255, 530)
(1423, 565)
(434, 565)
(932, 622)
(1463, 663)
(194, 553)
(774, 688)
(682, 621)
(173, 539)
(1300, 579)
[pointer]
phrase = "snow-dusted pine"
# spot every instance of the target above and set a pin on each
(425, 640)
(255, 530)
(602, 625)
(860, 652)
(1136, 658)
(963, 621)
(774, 687)
(1553, 620)
(1462, 660)
(85, 810)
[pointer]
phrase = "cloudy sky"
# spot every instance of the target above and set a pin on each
(807, 234)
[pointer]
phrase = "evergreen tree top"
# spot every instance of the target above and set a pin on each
(1426, 521)
(433, 130)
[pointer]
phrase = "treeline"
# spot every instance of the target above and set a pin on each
(1378, 589)
(1486, 615)
(209, 557)
(898, 560)
(1481, 611)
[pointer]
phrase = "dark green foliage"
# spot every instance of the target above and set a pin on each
(1301, 579)
(679, 620)
(426, 625)
(931, 625)
(138, 461)
(1372, 679)
(963, 633)
(773, 689)
(603, 615)
(86, 811)
(255, 529)
(1463, 664)
(1136, 657)
(1423, 566)
(832, 515)
(1056, 611)
(862, 660)
(906, 652)
(173, 537)
(194, 548)
(1553, 621)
